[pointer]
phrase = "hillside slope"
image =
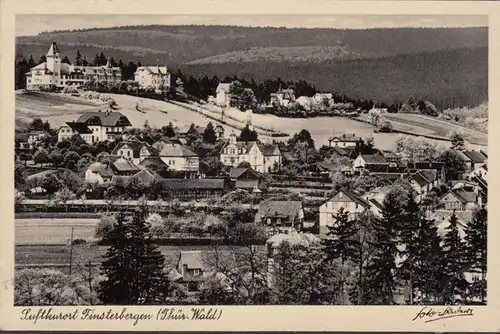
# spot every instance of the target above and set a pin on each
(447, 78)
(180, 44)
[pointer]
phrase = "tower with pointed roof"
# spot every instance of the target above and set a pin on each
(54, 63)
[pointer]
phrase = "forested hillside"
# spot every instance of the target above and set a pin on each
(447, 66)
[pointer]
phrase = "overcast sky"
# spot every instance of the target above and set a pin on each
(27, 25)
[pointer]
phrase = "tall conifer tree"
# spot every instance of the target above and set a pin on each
(133, 266)
(475, 238)
(340, 243)
(455, 264)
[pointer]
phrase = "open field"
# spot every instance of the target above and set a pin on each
(160, 113)
(58, 255)
(50, 106)
(57, 109)
(433, 126)
(53, 231)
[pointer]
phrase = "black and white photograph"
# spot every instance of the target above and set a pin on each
(250, 160)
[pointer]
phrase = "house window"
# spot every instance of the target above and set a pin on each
(128, 153)
(232, 151)
(196, 272)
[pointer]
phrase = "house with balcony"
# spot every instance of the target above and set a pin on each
(156, 77)
(96, 126)
(263, 158)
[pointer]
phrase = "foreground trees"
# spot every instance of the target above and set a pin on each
(133, 265)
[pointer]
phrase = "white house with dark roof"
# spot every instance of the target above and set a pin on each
(348, 200)
(157, 77)
(222, 96)
(345, 140)
(96, 126)
(57, 74)
(177, 157)
(133, 150)
(263, 158)
(362, 160)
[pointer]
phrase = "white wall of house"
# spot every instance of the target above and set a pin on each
(190, 164)
(359, 162)
(222, 98)
(145, 78)
(339, 143)
(92, 177)
(331, 208)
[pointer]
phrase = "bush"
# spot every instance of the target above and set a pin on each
(385, 127)
(106, 224)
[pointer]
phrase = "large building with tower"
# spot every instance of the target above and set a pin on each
(54, 73)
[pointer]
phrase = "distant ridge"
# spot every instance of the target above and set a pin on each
(432, 63)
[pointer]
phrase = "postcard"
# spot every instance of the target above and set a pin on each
(216, 165)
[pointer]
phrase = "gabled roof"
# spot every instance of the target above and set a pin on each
(193, 259)
(463, 196)
(235, 173)
(374, 159)
(352, 196)
(101, 169)
(155, 70)
(278, 209)
(326, 166)
(176, 150)
(475, 156)
(466, 196)
(79, 127)
(245, 146)
(346, 138)
(106, 118)
(136, 147)
(419, 179)
(267, 149)
(156, 161)
(429, 174)
(123, 165)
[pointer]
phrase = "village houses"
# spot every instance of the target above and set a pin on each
(27, 141)
(263, 158)
(54, 73)
(157, 77)
(283, 97)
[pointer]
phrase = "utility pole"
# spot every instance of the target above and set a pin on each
(90, 281)
(71, 249)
